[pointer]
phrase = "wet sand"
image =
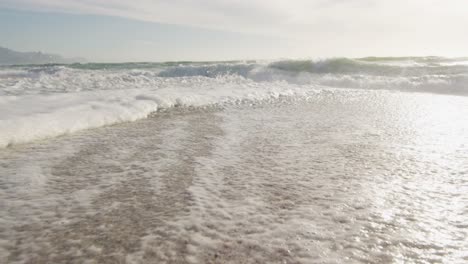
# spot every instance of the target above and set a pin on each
(372, 179)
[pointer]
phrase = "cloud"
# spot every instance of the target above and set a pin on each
(328, 24)
(266, 16)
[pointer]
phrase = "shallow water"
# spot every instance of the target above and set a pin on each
(348, 176)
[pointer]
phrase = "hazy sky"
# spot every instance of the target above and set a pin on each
(158, 30)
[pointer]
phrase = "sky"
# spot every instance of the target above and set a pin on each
(169, 30)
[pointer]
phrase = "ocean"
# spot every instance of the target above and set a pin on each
(312, 161)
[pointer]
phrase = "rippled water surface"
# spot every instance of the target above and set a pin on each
(342, 177)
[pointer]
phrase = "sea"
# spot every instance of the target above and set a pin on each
(339, 160)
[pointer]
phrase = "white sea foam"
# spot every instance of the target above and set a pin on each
(30, 117)
(45, 101)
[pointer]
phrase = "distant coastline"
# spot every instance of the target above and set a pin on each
(11, 57)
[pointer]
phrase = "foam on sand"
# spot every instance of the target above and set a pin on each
(31, 117)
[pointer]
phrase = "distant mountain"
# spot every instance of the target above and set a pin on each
(11, 57)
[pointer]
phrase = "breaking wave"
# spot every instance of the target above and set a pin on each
(39, 101)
